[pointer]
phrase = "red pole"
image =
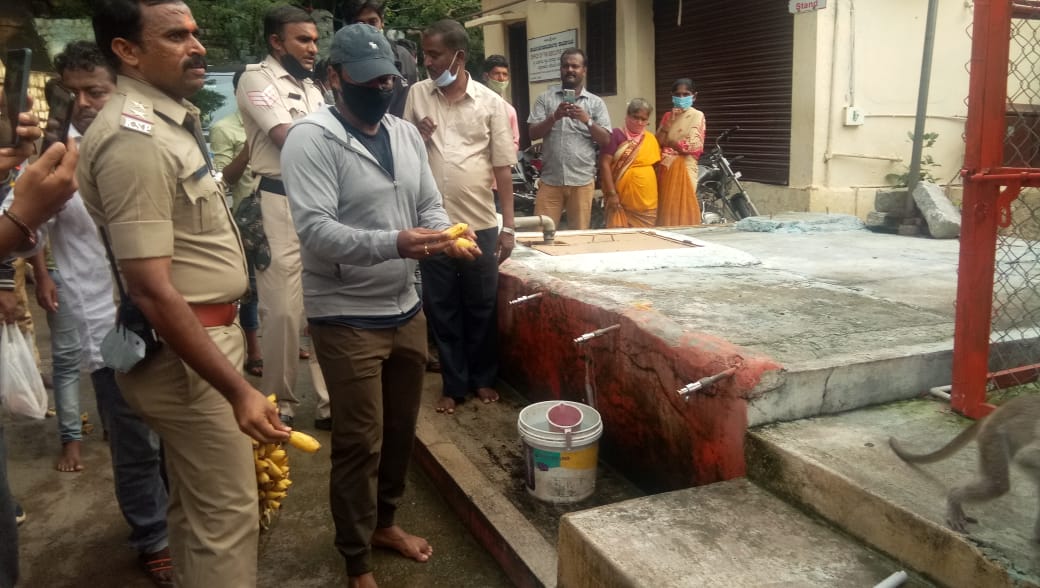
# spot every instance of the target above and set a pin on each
(991, 37)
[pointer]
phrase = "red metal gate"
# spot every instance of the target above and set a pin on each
(997, 332)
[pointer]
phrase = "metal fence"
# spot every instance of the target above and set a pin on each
(997, 332)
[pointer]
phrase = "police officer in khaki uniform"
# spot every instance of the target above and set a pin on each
(271, 95)
(146, 179)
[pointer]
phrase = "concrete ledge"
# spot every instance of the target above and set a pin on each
(527, 558)
(729, 534)
(842, 469)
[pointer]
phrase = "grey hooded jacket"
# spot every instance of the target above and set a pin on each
(348, 211)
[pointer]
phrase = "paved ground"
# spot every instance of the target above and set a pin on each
(75, 535)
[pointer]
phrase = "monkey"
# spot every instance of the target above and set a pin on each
(1011, 432)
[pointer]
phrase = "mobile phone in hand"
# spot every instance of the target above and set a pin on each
(61, 102)
(569, 96)
(15, 97)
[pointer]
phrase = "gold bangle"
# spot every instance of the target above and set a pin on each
(30, 235)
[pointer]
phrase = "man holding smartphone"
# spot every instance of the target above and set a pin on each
(572, 122)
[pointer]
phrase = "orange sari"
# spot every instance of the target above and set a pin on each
(682, 137)
(636, 182)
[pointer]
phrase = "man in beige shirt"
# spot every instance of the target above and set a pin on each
(271, 95)
(146, 179)
(470, 144)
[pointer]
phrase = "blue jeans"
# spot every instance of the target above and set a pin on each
(248, 313)
(8, 526)
(65, 351)
(136, 466)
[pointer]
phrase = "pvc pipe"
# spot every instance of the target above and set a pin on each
(942, 392)
(893, 581)
(542, 222)
(525, 298)
(922, 103)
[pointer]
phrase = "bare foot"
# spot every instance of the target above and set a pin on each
(409, 546)
(69, 460)
(363, 581)
(488, 395)
(446, 404)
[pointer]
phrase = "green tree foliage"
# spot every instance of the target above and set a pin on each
(207, 101)
(412, 16)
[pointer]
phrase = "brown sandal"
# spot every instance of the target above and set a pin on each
(159, 567)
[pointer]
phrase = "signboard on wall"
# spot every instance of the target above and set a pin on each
(543, 54)
(798, 6)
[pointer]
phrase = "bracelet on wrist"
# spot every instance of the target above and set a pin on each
(29, 234)
(509, 231)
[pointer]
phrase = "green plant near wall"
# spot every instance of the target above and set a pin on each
(928, 163)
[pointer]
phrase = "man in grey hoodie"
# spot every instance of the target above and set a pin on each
(366, 207)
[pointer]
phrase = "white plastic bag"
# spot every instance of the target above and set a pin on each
(21, 388)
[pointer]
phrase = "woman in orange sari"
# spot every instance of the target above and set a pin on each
(627, 171)
(681, 135)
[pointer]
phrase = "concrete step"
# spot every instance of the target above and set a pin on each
(732, 534)
(841, 468)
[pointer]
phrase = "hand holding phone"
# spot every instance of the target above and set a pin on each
(569, 96)
(15, 98)
(61, 102)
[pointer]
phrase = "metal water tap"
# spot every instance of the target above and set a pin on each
(702, 383)
(596, 333)
(525, 298)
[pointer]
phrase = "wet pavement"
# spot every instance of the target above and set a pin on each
(75, 535)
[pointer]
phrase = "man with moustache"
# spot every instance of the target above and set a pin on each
(271, 95)
(146, 178)
(571, 125)
(82, 294)
(366, 207)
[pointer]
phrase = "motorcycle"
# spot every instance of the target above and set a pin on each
(526, 172)
(715, 180)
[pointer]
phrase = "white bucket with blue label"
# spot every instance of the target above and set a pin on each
(561, 448)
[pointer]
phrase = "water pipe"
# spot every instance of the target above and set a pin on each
(941, 392)
(527, 298)
(894, 581)
(597, 333)
(540, 221)
(686, 391)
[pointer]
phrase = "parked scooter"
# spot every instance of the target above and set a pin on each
(716, 179)
(525, 179)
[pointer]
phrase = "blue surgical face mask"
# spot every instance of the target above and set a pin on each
(447, 78)
(682, 102)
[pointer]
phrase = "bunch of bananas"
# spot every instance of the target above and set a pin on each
(272, 471)
(455, 232)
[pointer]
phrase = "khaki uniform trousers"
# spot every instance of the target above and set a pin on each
(212, 518)
(280, 290)
(551, 201)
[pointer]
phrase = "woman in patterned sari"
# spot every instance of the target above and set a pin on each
(627, 171)
(681, 135)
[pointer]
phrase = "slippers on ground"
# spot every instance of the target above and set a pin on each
(255, 367)
(304, 354)
(159, 567)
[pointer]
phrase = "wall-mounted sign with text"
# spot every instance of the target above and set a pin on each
(543, 54)
(797, 6)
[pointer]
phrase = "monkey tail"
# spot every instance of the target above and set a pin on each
(947, 450)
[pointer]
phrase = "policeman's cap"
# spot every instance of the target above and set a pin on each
(364, 52)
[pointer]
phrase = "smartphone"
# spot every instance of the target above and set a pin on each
(569, 96)
(60, 101)
(16, 94)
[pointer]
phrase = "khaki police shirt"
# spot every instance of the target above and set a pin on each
(473, 137)
(269, 96)
(144, 178)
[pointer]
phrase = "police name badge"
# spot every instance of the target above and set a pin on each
(136, 124)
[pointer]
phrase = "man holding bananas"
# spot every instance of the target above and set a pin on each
(366, 206)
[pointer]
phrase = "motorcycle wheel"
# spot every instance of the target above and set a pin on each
(741, 206)
(713, 203)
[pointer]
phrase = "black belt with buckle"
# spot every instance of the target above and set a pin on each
(272, 185)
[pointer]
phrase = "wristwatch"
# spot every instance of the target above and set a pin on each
(509, 231)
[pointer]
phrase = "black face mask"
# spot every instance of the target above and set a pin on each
(295, 68)
(367, 103)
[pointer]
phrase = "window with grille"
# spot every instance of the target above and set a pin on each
(601, 47)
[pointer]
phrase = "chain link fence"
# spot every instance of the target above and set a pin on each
(1015, 331)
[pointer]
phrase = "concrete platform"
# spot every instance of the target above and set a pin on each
(842, 468)
(731, 534)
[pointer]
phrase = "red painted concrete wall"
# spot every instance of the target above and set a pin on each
(654, 438)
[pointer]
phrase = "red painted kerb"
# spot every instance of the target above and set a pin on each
(651, 435)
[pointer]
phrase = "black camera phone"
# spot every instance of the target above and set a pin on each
(61, 102)
(15, 95)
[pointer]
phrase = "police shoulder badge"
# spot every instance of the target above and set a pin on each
(137, 116)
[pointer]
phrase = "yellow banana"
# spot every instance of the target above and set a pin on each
(304, 442)
(272, 399)
(465, 243)
(455, 231)
(274, 470)
(263, 478)
(278, 456)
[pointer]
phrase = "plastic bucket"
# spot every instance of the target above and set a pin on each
(560, 455)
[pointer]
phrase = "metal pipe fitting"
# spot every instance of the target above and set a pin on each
(703, 383)
(597, 333)
(542, 222)
(527, 298)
